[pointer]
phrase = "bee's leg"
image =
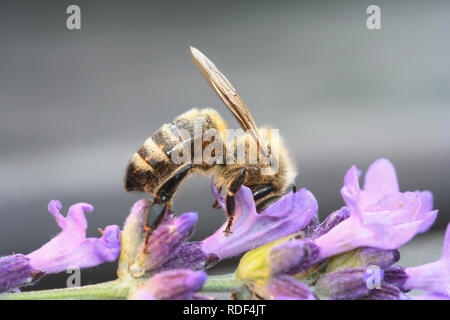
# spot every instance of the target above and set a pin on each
(216, 204)
(232, 189)
(163, 196)
(158, 209)
(166, 191)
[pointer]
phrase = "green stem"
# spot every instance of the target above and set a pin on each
(222, 283)
(116, 289)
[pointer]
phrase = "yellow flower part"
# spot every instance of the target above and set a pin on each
(255, 265)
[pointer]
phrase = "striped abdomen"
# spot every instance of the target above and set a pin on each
(154, 162)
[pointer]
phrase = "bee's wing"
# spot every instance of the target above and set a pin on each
(228, 94)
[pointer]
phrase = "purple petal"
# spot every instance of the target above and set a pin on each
(250, 230)
(393, 222)
(433, 277)
(351, 192)
(394, 209)
(430, 296)
(446, 249)
(426, 198)
(428, 220)
(70, 247)
(380, 180)
(198, 296)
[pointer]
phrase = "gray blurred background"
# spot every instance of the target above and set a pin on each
(75, 105)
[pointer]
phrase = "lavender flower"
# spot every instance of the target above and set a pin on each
(71, 247)
(252, 229)
(166, 248)
(151, 253)
(433, 277)
(177, 284)
(368, 232)
(297, 255)
(288, 215)
(380, 181)
(289, 254)
(388, 223)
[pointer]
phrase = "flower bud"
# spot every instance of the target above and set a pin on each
(177, 284)
(362, 258)
(397, 276)
(15, 272)
(284, 287)
(132, 234)
(343, 284)
(331, 221)
(163, 243)
(386, 292)
(255, 264)
(191, 256)
(293, 256)
(312, 226)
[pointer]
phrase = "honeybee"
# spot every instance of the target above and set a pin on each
(152, 169)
